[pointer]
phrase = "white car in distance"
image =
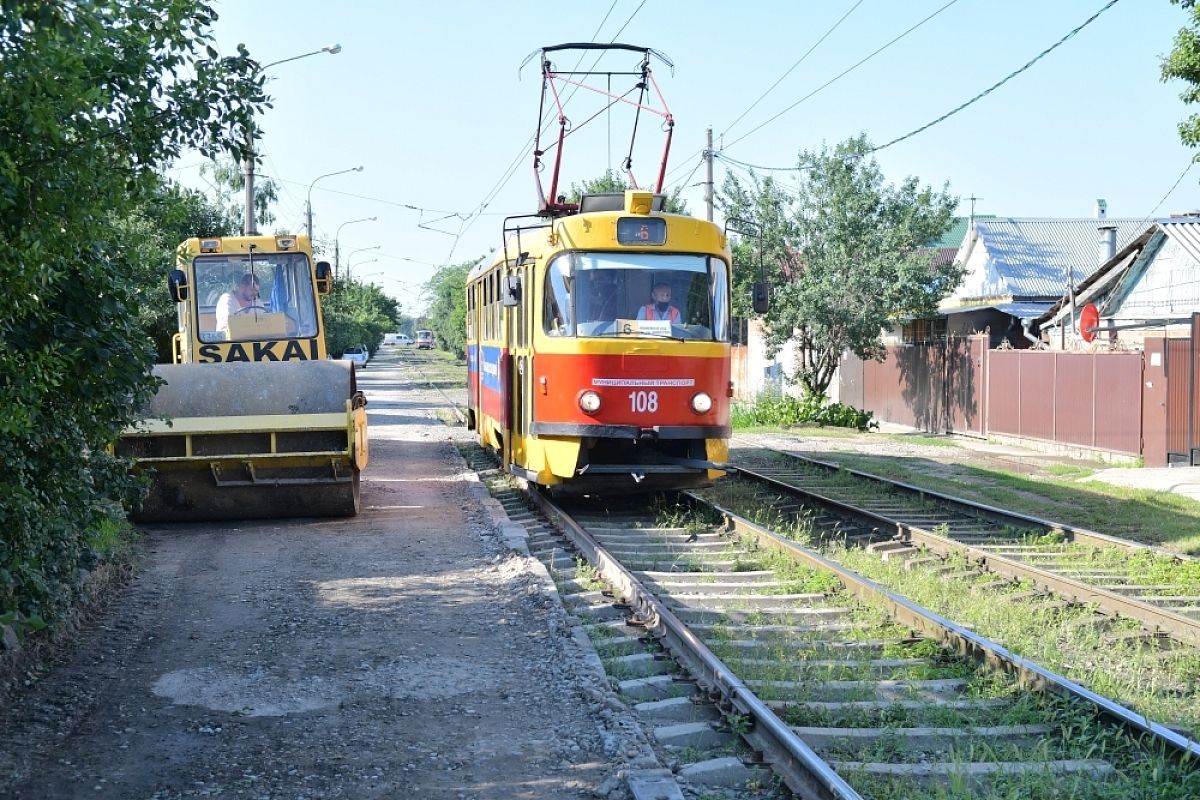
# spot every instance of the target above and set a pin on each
(356, 354)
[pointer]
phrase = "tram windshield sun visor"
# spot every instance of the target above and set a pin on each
(637, 294)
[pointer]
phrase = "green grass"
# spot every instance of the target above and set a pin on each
(1068, 470)
(1162, 685)
(1141, 515)
(924, 441)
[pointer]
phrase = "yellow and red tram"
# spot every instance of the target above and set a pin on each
(581, 376)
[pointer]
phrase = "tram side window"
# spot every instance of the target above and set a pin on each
(487, 306)
(556, 313)
(470, 312)
(497, 332)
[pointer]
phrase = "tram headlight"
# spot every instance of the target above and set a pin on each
(701, 403)
(589, 402)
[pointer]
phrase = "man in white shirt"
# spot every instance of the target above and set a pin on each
(243, 298)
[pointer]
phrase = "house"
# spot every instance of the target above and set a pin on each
(1018, 267)
(1149, 287)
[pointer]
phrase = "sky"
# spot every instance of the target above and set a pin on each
(430, 99)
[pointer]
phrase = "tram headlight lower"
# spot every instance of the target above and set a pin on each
(701, 403)
(589, 402)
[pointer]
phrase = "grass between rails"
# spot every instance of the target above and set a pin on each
(1144, 770)
(1074, 641)
(1141, 515)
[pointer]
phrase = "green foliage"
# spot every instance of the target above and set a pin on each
(229, 184)
(357, 314)
(447, 314)
(612, 182)
(783, 410)
(844, 257)
(149, 234)
(1183, 63)
(95, 98)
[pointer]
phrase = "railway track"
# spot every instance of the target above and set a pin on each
(840, 687)
(1159, 589)
(421, 362)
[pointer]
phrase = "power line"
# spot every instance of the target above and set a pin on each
(508, 174)
(685, 181)
(842, 74)
(790, 69)
(723, 157)
(396, 203)
(1003, 81)
(1174, 186)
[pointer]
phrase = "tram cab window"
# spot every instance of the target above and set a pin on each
(556, 317)
(611, 295)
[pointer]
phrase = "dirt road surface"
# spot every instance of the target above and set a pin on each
(399, 654)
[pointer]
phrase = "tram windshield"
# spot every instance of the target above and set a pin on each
(638, 295)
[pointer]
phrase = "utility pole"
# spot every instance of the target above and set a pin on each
(248, 226)
(708, 174)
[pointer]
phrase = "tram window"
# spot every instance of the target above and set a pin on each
(556, 312)
(720, 299)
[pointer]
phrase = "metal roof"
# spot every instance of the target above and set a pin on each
(1185, 231)
(954, 235)
(1025, 310)
(1127, 266)
(1033, 255)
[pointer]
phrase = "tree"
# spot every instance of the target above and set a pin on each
(96, 97)
(151, 232)
(229, 184)
(847, 256)
(1183, 63)
(357, 314)
(612, 182)
(448, 306)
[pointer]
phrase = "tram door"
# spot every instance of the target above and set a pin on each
(519, 365)
(474, 354)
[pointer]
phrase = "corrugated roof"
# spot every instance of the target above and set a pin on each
(1131, 260)
(1033, 255)
(1026, 310)
(1185, 231)
(954, 235)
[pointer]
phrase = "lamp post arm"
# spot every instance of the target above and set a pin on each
(249, 224)
(308, 220)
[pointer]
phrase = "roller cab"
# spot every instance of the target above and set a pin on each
(251, 421)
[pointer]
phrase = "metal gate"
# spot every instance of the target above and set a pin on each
(1183, 405)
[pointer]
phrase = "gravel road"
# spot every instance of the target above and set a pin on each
(402, 653)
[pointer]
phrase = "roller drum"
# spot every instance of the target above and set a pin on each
(249, 471)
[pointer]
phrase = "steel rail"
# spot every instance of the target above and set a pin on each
(965, 641)
(990, 513)
(1177, 626)
(458, 414)
(801, 769)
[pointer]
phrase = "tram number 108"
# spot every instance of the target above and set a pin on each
(641, 402)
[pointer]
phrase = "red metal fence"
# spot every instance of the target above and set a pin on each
(935, 387)
(1091, 400)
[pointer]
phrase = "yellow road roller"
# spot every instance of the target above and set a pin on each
(252, 420)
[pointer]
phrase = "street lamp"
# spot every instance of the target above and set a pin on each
(361, 263)
(351, 256)
(314, 183)
(336, 260)
(249, 227)
(332, 49)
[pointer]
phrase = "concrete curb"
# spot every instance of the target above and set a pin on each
(644, 775)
